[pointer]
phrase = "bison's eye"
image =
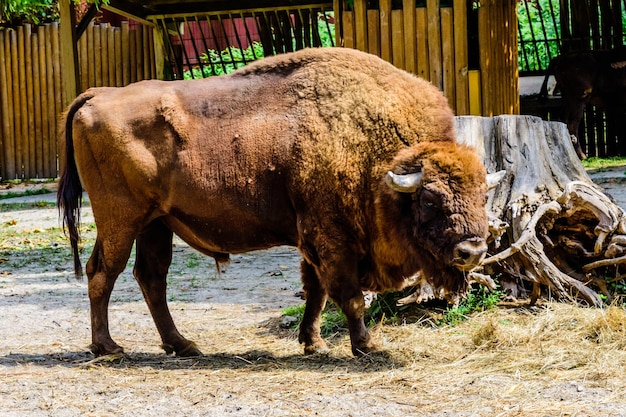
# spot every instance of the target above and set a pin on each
(430, 205)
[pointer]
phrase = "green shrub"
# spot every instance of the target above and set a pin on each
(479, 299)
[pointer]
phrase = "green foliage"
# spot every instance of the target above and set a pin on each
(12, 194)
(16, 12)
(479, 299)
(538, 33)
(327, 31)
(385, 306)
(230, 59)
(333, 319)
(226, 61)
(599, 163)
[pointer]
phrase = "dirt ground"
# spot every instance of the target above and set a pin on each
(551, 360)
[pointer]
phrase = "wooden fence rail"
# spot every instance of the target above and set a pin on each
(31, 96)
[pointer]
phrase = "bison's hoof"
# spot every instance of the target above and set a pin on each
(190, 350)
(319, 347)
(360, 351)
(109, 349)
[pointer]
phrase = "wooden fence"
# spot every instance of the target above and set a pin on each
(31, 96)
(433, 39)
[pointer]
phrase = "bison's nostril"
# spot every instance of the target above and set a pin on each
(469, 253)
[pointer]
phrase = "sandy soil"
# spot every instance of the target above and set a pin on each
(252, 366)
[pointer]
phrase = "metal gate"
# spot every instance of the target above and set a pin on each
(206, 44)
(547, 28)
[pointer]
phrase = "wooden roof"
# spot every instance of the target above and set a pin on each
(143, 10)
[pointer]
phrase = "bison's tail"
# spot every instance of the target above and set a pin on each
(70, 193)
(543, 93)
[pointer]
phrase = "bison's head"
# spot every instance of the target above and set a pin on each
(432, 205)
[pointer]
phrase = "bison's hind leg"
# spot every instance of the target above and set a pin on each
(154, 256)
(316, 298)
(103, 268)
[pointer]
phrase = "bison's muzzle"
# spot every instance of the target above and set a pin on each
(468, 254)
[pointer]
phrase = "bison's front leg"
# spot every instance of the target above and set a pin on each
(154, 256)
(339, 280)
(350, 300)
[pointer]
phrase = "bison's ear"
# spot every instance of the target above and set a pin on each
(404, 183)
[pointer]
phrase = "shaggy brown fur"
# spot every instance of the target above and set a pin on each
(291, 150)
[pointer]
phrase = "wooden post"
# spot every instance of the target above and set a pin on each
(69, 53)
(159, 52)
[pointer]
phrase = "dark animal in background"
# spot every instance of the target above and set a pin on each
(588, 77)
(331, 150)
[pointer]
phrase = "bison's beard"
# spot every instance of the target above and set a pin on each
(444, 276)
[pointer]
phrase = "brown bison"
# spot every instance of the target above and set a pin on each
(331, 150)
(588, 77)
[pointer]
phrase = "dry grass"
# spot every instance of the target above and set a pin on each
(552, 360)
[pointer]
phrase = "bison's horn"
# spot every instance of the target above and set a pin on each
(403, 183)
(494, 179)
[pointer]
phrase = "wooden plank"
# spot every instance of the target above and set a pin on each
(151, 49)
(119, 61)
(139, 53)
(50, 105)
(125, 49)
(6, 101)
(338, 11)
(132, 51)
(461, 63)
(410, 36)
(348, 29)
(83, 54)
(385, 30)
(397, 38)
(14, 101)
(423, 66)
(447, 46)
(97, 56)
(69, 53)
(360, 24)
(58, 97)
(111, 56)
(515, 93)
(104, 42)
(373, 28)
(475, 100)
(38, 148)
(91, 60)
(147, 46)
(21, 149)
(43, 83)
(30, 164)
(484, 41)
(160, 54)
(434, 43)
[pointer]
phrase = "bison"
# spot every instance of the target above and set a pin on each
(589, 77)
(331, 150)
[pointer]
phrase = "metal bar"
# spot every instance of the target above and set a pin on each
(250, 41)
(217, 46)
(206, 46)
(243, 55)
(195, 49)
(330, 34)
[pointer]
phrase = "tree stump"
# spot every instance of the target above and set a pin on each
(550, 226)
